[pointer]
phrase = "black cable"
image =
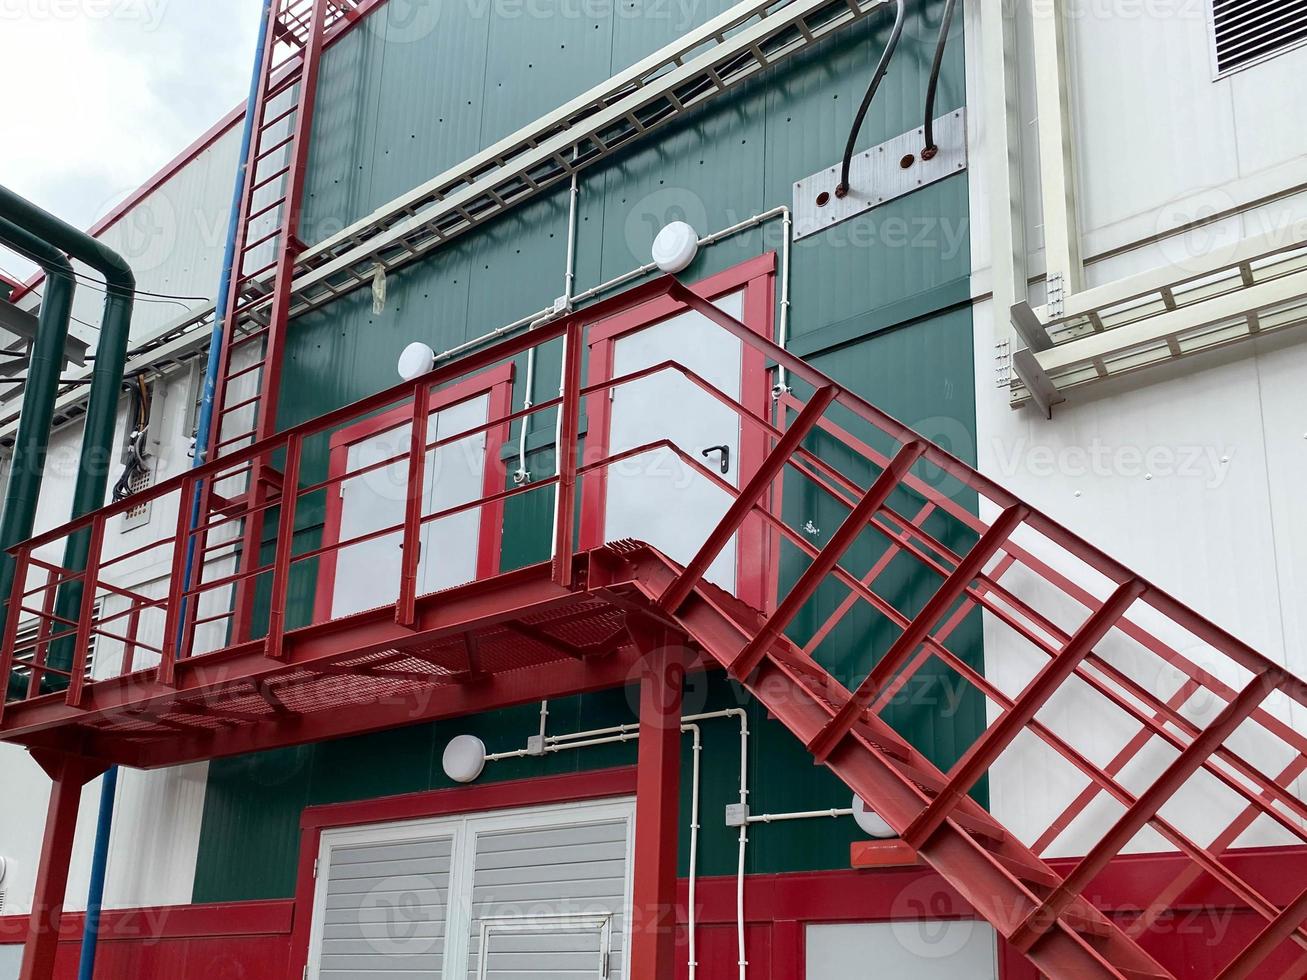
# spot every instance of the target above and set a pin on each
(96, 286)
(944, 25)
(138, 426)
(881, 69)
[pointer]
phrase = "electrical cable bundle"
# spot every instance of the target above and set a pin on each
(138, 427)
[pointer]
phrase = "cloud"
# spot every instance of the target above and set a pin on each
(99, 94)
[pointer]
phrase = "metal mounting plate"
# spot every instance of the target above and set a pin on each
(877, 175)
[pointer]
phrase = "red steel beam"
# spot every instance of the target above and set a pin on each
(410, 554)
(918, 630)
(828, 557)
(986, 750)
(1044, 918)
(70, 774)
(568, 436)
(1266, 942)
(657, 806)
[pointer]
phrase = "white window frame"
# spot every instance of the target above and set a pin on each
(463, 830)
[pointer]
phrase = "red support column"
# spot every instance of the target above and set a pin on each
(70, 774)
(657, 808)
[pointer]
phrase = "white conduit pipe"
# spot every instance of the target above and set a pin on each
(523, 475)
(540, 316)
(805, 815)
(629, 733)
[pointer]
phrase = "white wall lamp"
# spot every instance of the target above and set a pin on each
(416, 360)
(675, 247)
(870, 822)
(464, 758)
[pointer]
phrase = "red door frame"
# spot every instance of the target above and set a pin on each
(516, 794)
(757, 278)
(498, 382)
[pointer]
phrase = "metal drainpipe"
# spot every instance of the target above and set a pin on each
(28, 464)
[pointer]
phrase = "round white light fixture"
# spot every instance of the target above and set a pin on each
(464, 758)
(870, 822)
(675, 247)
(416, 360)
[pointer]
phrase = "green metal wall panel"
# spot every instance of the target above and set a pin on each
(853, 289)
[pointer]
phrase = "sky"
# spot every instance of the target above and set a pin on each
(97, 95)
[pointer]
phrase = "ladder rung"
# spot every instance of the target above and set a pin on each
(269, 179)
(269, 123)
(241, 404)
(243, 340)
(276, 203)
(245, 370)
(247, 276)
(251, 246)
(280, 144)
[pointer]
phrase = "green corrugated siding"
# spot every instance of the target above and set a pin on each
(395, 112)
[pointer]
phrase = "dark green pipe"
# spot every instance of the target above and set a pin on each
(106, 386)
(28, 464)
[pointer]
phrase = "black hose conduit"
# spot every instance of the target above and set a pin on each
(886, 57)
(933, 85)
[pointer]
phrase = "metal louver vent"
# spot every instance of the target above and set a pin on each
(1250, 30)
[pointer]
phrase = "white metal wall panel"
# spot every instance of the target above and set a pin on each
(903, 950)
(1192, 477)
(173, 239)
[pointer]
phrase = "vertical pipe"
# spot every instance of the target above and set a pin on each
(37, 413)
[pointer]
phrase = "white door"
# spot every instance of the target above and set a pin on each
(367, 574)
(655, 497)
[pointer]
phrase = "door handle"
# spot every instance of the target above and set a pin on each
(726, 456)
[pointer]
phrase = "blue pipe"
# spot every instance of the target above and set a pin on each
(109, 785)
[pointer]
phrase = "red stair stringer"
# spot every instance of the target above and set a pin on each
(999, 876)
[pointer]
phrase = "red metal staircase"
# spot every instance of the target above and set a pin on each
(1076, 647)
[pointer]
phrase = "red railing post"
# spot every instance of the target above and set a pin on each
(748, 498)
(853, 525)
(178, 586)
(569, 434)
(281, 566)
(13, 612)
(90, 585)
(42, 649)
(133, 635)
(410, 556)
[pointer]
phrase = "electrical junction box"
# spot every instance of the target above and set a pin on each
(535, 745)
(879, 175)
(737, 814)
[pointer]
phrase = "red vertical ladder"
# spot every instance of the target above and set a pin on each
(267, 246)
